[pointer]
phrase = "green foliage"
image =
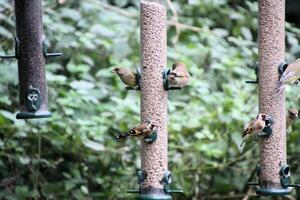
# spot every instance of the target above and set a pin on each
(79, 158)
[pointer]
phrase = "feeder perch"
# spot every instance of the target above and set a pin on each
(258, 170)
(282, 67)
(285, 177)
(17, 50)
(45, 50)
(267, 131)
(138, 79)
(141, 176)
(165, 181)
(256, 69)
(166, 73)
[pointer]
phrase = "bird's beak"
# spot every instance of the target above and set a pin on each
(113, 71)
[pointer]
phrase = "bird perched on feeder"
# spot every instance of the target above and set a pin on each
(291, 116)
(144, 129)
(289, 76)
(127, 76)
(178, 76)
(254, 127)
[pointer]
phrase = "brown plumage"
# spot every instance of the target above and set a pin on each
(291, 116)
(289, 76)
(144, 129)
(127, 77)
(254, 127)
(178, 76)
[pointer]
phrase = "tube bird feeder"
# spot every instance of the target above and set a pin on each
(31, 61)
(31, 51)
(271, 55)
(154, 156)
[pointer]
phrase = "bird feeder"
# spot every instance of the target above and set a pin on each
(154, 156)
(31, 50)
(273, 173)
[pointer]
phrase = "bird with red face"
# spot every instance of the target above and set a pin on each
(143, 129)
(254, 127)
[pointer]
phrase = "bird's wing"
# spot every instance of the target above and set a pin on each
(134, 132)
(247, 131)
(294, 66)
(132, 74)
(140, 129)
(244, 140)
(288, 77)
(249, 128)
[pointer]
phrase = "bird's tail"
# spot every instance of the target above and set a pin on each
(279, 89)
(244, 140)
(122, 135)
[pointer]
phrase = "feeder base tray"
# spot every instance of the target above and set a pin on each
(154, 197)
(274, 191)
(31, 115)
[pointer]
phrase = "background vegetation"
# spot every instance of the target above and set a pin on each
(78, 157)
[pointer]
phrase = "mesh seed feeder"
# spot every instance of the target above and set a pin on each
(273, 172)
(31, 50)
(154, 178)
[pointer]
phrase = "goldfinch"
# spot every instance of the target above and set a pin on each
(254, 127)
(144, 129)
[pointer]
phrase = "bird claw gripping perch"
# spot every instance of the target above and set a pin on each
(267, 131)
(166, 73)
(256, 69)
(45, 50)
(141, 175)
(138, 79)
(258, 170)
(17, 50)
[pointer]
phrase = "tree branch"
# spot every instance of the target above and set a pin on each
(174, 22)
